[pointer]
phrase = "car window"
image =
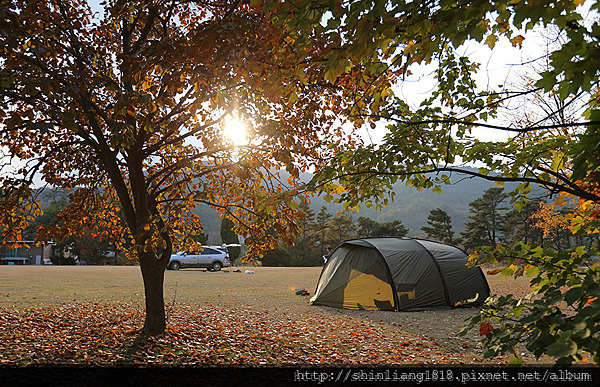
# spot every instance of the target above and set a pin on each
(208, 251)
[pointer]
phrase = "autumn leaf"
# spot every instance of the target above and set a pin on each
(491, 41)
(493, 272)
(485, 328)
(517, 41)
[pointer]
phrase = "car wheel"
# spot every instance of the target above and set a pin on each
(174, 266)
(216, 266)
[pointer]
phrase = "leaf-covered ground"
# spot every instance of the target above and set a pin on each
(229, 319)
(101, 334)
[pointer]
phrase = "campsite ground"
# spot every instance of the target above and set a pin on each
(90, 315)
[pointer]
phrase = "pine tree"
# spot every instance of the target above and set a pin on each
(487, 221)
(306, 225)
(304, 250)
(389, 229)
(440, 226)
(366, 227)
(342, 227)
(322, 226)
(371, 228)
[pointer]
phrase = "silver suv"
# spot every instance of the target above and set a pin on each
(211, 258)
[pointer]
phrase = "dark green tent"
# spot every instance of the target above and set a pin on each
(398, 274)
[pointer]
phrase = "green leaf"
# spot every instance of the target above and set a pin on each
(519, 205)
(573, 294)
(562, 348)
(515, 361)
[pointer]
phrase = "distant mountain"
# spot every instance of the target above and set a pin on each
(412, 207)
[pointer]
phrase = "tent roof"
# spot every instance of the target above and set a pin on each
(402, 243)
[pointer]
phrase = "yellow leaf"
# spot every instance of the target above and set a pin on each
(491, 41)
(578, 2)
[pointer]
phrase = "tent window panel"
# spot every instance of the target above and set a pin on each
(406, 291)
(368, 292)
(360, 281)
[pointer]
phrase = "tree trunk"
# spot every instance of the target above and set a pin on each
(153, 273)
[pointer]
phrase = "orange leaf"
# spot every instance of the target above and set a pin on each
(517, 41)
(492, 272)
(485, 328)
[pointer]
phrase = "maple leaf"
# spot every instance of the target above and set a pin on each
(517, 41)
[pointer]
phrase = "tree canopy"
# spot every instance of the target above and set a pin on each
(127, 108)
(424, 145)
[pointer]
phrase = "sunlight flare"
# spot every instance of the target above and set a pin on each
(236, 131)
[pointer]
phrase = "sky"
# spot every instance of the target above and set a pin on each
(497, 68)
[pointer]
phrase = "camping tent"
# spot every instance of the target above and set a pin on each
(398, 274)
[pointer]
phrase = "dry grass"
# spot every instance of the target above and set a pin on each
(269, 291)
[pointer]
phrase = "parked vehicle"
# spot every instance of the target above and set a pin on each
(211, 258)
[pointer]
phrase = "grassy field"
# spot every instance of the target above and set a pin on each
(91, 315)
